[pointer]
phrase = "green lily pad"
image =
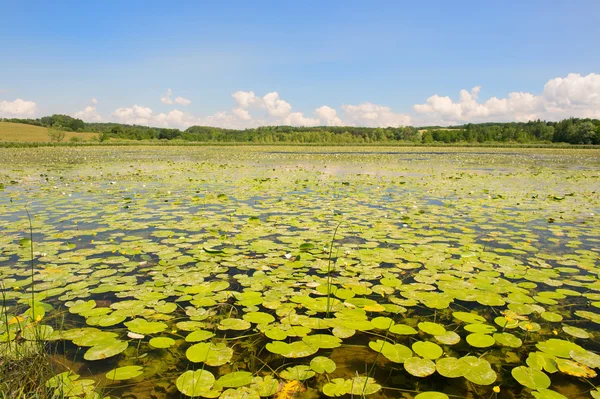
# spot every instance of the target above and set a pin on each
(195, 383)
(143, 326)
(235, 379)
(419, 367)
(432, 395)
(199, 335)
(480, 340)
(161, 342)
(234, 324)
(393, 352)
(211, 354)
(431, 328)
(451, 367)
(297, 373)
(321, 365)
(428, 350)
(530, 377)
(105, 349)
(125, 373)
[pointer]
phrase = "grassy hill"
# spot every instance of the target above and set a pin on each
(13, 132)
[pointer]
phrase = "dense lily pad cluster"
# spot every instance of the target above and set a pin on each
(259, 273)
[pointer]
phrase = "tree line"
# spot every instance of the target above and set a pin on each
(572, 130)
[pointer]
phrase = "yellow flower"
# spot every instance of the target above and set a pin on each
(529, 327)
(496, 389)
(508, 318)
(38, 317)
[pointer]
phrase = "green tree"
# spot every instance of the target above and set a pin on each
(56, 133)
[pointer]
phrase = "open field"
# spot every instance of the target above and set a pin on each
(20, 132)
(305, 272)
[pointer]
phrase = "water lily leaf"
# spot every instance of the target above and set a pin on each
(470, 318)
(234, 324)
(576, 332)
(166, 308)
(403, 329)
(276, 334)
(297, 373)
(322, 341)
(199, 335)
(235, 379)
(508, 339)
(258, 317)
(105, 349)
(195, 383)
(432, 328)
(363, 386)
(479, 371)
(337, 387)
(541, 360)
(211, 354)
(321, 365)
(585, 357)
(111, 320)
(480, 328)
(161, 342)
(82, 306)
(125, 373)
(297, 349)
(143, 326)
(432, 395)
(382, 323)
(575, 369)
(530, 377)
(552, 317)
(451, 367)
(558, 347)
(393, 352)
(266, 386)
(480, 340)
(428, 350)
(419, 367)
(547, 394)
(450, 338)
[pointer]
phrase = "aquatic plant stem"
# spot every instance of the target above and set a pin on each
(329, 276)
(32, 264)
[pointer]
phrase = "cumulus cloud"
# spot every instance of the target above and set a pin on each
(571, 96)
(89, 114)
(166, 98)
(17, 107)
(373, 115)
(94, 101)
(562, 97)
(182, 101)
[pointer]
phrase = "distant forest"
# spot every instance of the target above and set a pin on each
(573, 130)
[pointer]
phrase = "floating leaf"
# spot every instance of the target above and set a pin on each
(419, 367)
(125, 373)
(195, 383)
(235, 379)
(530, 378)
(321, 365)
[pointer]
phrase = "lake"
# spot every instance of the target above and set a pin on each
(303, 272)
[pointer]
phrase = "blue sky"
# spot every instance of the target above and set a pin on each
(389, 54)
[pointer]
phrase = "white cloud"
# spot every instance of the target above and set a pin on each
(136, 115)
(94, 101)
(89, 114)
(373, 115)
(182, 101)
(166, 98)
(17, 108)
(572, 96)
(328, 116)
